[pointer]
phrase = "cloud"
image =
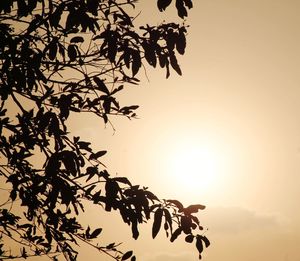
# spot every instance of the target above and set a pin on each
(237, 220)
(185, 256)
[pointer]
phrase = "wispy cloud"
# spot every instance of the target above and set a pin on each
(171, 257)
(238, 220)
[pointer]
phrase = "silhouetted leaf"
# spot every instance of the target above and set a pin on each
(72, 53)
(134, 229)
(149, 53)
(120, 88)
(186, 224)
(95, 156)
(136, 62)
(111, 189)
(122, 180)
(24, 253)
(95, 233)
(181, 42)
(102, 87)
(91, 171)
(48, 235)
(92, 6)
(56, 16)
(174, 64)
(112, 47)
(163, 4)
(53, 49)
(168, 218)
(189, 238)
(127, 255)
(89, 190)
(70, 161)
(13, 194)
(206, 241)
(188, 3)
(107, 104)
(77, 39)
(193, 209)
(84, 145)
(181, 10)
(175, 234)
(110, 246)
(22, 9)
(177, 204)
(157, 222)
(199, 244)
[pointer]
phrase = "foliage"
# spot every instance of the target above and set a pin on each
(48, 173)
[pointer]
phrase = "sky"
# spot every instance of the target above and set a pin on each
(226, 134)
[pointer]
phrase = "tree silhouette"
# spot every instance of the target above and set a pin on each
(62, 57)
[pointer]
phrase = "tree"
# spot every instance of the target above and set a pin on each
(62, 57)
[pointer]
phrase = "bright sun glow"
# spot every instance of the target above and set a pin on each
(195, 167)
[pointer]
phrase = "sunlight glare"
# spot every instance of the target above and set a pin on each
(195, 167)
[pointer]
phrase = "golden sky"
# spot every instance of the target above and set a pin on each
(230, 125)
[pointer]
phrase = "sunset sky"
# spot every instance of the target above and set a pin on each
(226, 134)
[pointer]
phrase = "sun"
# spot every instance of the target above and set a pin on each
(194, 166)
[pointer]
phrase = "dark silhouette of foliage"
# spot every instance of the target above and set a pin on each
(62, 57)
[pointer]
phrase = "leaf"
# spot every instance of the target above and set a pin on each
(122, 180)
(149, 53)
(96, 233)
(186, 224)
(206, 241)
(110, 246)
(168, 219)
(24, 253)
(181, 10)
(56, 15)
(100, 83)
(121, 87)
(188, 3)
(157, 222)
(127, 255)
(70, 161)
(22, 10)
(189, 238)
(91, 171)
(92, 6)
(87, 232)
(136, 62)
(176, 233)
(107, 104)
(72, 53)
(53, 49)
(181, 42)
(112, 48)
(163, 4)
(176, 203)
(134, 229)
(95, 156)
(84, 145)
(174, 63)
(199, 244)
(193, 209)
(13, 194)
(48, 235)
(77, 39)
(89, 190)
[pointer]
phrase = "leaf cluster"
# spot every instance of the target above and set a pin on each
(61, 57)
